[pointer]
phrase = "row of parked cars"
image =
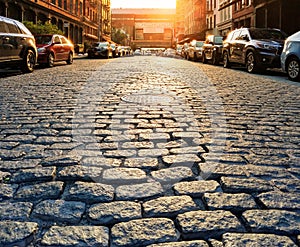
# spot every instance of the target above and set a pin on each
(256, 49)
(20, 49)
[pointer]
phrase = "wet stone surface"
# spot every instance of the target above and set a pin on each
(158, 152)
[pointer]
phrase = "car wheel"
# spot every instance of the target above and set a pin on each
(28, 62)
(50, 60)
(251, 64)
(226, 62)
(293, 69)
(215, 60)
(204, 60)
(70, 59)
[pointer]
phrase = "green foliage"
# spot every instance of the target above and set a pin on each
(40, 28)
(118, 36)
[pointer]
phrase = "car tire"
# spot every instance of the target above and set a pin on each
(28, 62)
(215, 59)
(50, 60)
(204, 60)
(293, 69)
(226, 62)
(70, 59)
(251, 63)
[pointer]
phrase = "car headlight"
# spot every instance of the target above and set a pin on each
(41, 50)
(287, 45)
(267, 46)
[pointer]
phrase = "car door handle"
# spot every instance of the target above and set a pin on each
(5, 38)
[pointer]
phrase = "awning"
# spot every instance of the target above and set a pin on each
(90, 36)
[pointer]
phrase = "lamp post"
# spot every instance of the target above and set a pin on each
(99, 3)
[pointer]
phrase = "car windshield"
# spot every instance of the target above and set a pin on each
(219, 40)
(97, 44)
(43, 40)
(199, 43)
(267, 34)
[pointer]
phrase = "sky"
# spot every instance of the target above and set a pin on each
(169, 4)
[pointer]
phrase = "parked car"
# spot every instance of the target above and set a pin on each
(212, 49)
(184, 50)
(255, 48)
(100, 49)
(179, 49)
(17, 46)
(115, 50)
(54, 48)
(137, 52)
(290, 57)
(195, 50)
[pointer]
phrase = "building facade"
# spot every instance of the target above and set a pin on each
(146, 28)
(82, 21)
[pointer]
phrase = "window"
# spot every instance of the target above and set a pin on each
(215, 21)
(235, 35)
(53, 2)
(60, 3)
(2, 27)
(65, 4)
(57, 40)
(12, 28)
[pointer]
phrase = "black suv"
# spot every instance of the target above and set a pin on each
(255, 48)
(17, 46)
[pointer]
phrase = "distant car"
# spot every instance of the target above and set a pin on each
(54, 48)
(137, 52)
(212, 49)
(290, 57)
(195, 50)
(100, 49)
(169, 52)
(17, 46)
(255, 48)
(184, 50)
(115, 50)
(178, 50)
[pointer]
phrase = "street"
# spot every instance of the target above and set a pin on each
(149, 151)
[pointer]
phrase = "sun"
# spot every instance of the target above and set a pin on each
(169, 4)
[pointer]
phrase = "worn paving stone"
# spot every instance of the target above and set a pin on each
(146, 163)
(7, 191)
(11, 165)
(15, 211)
(168, 206)
(59, 211)
(182, 159)
(38, 174)
(61, 160)
(231, 202)
(208, 224)
(196, 188)
(79, 172)
(138, 191)
(124, 176)
(114, 212)
(214, 170)
(101, 162)
(48, 190)
(76, 236)
(194, 243)
(273, 221)
(280, 200)
(14, 233)
(254, 239)
(245, 185)
(143, 232)
(172, 174)
(90, 192)
(287, 185)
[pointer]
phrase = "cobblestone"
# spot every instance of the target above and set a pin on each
(143, 232)
(76, 236)
(85, 153)
(114, 212)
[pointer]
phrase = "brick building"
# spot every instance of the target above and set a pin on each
(147, 28)
(80, 20)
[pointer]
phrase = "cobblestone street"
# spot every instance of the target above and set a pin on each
(148, 151)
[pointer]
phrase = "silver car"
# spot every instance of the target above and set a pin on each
(290, 57)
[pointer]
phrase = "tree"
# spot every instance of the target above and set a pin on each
(40, 28)
(118, 36)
